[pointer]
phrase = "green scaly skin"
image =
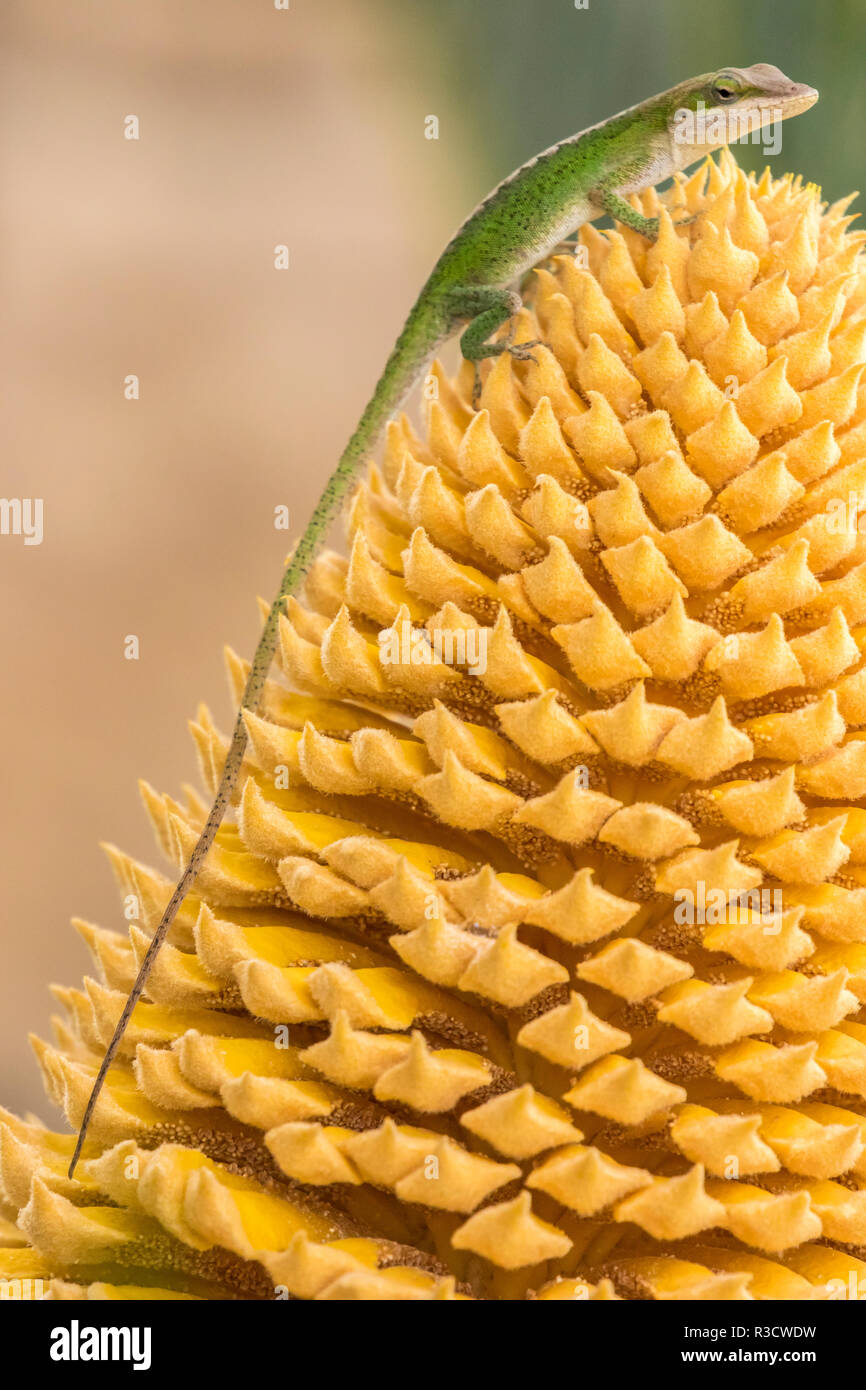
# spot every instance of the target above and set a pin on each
(519, 224)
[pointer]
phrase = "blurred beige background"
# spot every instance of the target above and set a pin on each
(155, 257)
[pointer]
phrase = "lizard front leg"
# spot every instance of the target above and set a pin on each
(487, 308)
(616, 206)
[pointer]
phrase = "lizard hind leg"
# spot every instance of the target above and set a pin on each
(487, 308)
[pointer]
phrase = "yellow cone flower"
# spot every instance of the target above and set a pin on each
(533, 962)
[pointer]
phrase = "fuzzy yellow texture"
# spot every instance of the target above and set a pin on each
(534, 961)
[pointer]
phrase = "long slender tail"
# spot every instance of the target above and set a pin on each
(423, 332)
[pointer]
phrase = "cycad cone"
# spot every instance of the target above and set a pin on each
(465, 1004)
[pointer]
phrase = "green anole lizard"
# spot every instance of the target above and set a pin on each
(471, 286)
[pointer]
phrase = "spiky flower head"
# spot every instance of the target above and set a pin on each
(533, 963)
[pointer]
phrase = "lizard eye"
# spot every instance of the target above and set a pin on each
(723, 91)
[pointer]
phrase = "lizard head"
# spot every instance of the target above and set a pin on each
(720, 107)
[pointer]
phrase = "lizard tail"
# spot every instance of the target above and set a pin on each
(422, 334)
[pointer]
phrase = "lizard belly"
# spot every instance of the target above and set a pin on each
(660, 167)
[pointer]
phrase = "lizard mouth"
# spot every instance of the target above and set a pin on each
(800, 99)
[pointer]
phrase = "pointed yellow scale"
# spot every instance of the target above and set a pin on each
(670, 1279)
(800, 1002)
(20, 1160)
(509, 972)
(491, 899)
(593, 309)
(379, 997)
(328, 765)
(264, 824)
(432, 1081)
(716, 869)
(850, 958)
(840, 773)
(390, 1152)
(762, 940)
(632, 730)
(159, 1075)
(676, 494)
(511, 1235)
(619, 515)
(353, 1057)
(265, 1101)
(585, 1179)
(222, 945)
(153, 1025)
(633, 969)
(451, 1179)
(598, 438)
(842, 1055)
(759, 808)
(571, 1035)
(318, 891)
(313, 1153)
(435, 577)
(247, 1220)
(714, 1014)
(308, 1266)
(557, 586)
(481, 459)
(122, 1107)
(799, 736)
(478, 748)
(231, 876)
(70, 1235)
(277, 994)
(720, 1141)
(787, 1073)
(178, 978)
(853, 830)
(804, 856)
(521, 1123)
(195, 1196)
(376, 593)
(581, 911)
(551, 511)
(674, 644)
(209, 1062)
(370, 861)
(673, 1208)
(704, 553)
(623, 1089)
(834, 911)
(772, 1222)
(272, 745)
(570, 812)
(755, 664)
(510, 671)
(808, 1147)
(112, 955)
(767, 1279)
